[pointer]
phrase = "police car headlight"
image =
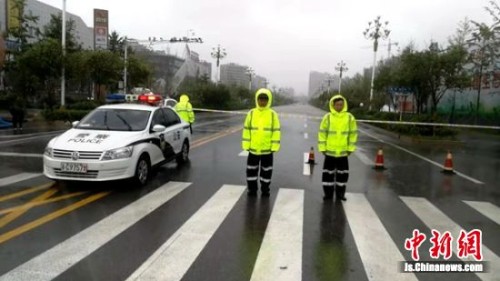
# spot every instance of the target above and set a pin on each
(48, 151)
(118, 153)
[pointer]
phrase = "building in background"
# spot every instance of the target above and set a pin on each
(83, 33)
(320, 82)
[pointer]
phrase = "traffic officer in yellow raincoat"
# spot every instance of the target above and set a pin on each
(185, 110)
(261, 138)
(337, 140)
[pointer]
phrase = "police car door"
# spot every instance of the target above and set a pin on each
(174, 125)
(164, 139)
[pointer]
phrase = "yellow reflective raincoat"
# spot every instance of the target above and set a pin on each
(338, 131)
(261, 130)
(185, 109)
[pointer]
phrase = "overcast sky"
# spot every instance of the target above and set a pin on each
(283, 40)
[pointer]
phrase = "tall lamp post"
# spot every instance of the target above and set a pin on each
(376, 30)
(250, 73)
(218, 53)
(341, 68)
(63, 45)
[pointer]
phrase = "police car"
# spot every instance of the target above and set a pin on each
(118, 141)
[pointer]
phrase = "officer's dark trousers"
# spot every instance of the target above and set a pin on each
(335, 174)
(262, 164)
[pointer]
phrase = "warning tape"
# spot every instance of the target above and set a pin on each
(303, 116)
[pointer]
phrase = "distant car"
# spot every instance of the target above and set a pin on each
(118, 141)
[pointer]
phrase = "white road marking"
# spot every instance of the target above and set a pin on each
(244, 153)
(421, 157)
(61, 257)
(305, 125)
(15, 154)
(362, 156)
(435, 219)
(306, 136)
(17, 178)
(307, 167)
(487, 209)
(379, 254)
(280, 254)
(173, 259)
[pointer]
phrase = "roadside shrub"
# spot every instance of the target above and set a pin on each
(64, 114)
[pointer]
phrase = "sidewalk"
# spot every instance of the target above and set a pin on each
(33, 124)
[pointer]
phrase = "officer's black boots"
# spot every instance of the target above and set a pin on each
(328, 191)
(340, 193)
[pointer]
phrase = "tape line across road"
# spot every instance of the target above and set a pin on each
(361, 120)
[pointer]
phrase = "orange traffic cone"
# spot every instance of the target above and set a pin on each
(379, 160)
(448, 164)
(311, 157)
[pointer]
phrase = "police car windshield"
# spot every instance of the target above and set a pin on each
(112, 119)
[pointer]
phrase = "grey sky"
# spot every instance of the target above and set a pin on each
(285, 39)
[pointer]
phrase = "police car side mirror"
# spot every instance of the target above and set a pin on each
(158, 128)
(74, 123)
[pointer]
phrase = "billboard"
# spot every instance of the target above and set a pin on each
(13, 15)
(100, 29)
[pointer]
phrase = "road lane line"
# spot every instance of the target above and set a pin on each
(421, 157)
(362, 156)
(173, 259)
(307, 167)
(26, 207)
(24, 192)
(435, 219)
(280, 254)
(16, 154)
(244, 153)
(379, 254)
(487, 209)
(17, 178)
(58, 259)
(306, 136)
(39, 203)
(36, 223)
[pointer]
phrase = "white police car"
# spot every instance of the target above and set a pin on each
(117, 142)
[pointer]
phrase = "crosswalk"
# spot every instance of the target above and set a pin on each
(280, 256)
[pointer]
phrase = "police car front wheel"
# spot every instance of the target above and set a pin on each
(183, 156)
(142, 170)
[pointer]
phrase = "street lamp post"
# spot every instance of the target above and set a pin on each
(328, 80)
(63, 45)
(341, 68)
(125, 62)
(250, 73)
(376, 30)
(218, 53)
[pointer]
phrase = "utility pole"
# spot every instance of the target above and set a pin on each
(341, 67)
(125, 62)
(328, 80)
(218, 53)
(375, 31)
(250, 73)
(63, 44)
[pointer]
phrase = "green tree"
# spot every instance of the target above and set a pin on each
(116, 43)
(105, 69)
(484, 44)
(54, 30)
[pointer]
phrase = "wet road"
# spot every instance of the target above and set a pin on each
(195, 222)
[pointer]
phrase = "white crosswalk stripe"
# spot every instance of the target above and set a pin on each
(55, 261)
(280, 255)
(376, 248)
(487, 209)
(174, 257)
(436, 219)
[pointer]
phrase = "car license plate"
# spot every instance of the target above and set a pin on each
(74, 167)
